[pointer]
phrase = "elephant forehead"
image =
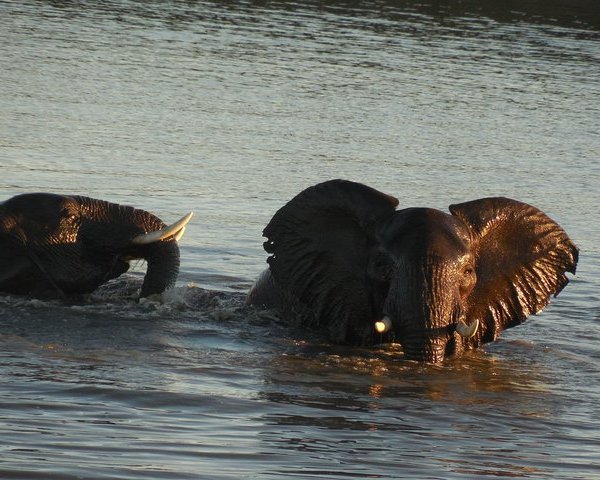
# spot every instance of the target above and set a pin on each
(38, 214)
(426, 231)
(42, 205)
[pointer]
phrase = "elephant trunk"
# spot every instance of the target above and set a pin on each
(129, 233)
(425, 347)
(424, 307)
(163, 267)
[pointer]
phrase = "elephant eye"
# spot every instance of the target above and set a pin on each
(67, 214)
(467, 282)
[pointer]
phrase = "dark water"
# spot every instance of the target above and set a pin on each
(230, 109)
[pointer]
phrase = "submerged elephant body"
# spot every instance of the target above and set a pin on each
(344, 259)
(55, 245)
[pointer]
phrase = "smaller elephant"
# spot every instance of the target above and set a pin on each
(345, 260)
(54, 245)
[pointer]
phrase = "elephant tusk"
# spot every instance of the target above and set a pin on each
(383, 325)
(176, 230)
(465, 330)
(179, 234)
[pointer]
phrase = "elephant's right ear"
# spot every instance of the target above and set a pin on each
(321, 243)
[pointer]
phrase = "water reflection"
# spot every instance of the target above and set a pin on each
(364, 381)
(456, 415)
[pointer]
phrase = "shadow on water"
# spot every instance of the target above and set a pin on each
(573, 13)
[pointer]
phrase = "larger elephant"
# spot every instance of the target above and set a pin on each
(344, 259)
(56, 245)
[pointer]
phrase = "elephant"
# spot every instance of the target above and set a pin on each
(53, 246)
(346, 261)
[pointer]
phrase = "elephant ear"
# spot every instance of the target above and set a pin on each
(522, 257)
(322, 244)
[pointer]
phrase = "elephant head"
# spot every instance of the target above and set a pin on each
(54, 245)
(438, 283)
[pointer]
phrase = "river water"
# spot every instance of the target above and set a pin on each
(231, 108)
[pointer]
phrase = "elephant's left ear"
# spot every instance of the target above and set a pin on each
(522, 259)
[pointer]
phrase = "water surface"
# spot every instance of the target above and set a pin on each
(231, 109)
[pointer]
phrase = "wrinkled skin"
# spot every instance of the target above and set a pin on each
(343, 257)
(52, 245)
